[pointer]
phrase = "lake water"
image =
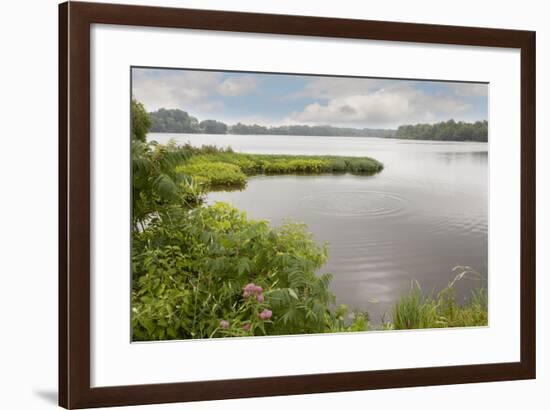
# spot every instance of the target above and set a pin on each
(424, 214)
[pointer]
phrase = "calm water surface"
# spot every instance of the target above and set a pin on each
(425, 213)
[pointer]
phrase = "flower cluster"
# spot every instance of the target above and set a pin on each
(251, 290)
(266, 314)
(255, 292)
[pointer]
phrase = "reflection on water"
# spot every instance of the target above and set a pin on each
(416, 220)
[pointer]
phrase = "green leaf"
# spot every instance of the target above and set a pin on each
(293, 293)
(243, 266)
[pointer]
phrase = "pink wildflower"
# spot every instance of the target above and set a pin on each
(250, 287)
(224, 324)
(249, 290)
(260, 298)
(252, 290)
(266, 314)
(246, 327)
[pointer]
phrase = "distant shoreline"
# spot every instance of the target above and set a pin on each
(179, 121)
(322, 136)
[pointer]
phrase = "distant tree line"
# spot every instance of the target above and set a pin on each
(445, 131)
(178, 121)
(316, 130)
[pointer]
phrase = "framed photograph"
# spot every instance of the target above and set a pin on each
(255, 205)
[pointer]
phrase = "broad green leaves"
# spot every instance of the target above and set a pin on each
(189, 276)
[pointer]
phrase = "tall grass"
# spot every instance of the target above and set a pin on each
(418, 311)
(414, 311)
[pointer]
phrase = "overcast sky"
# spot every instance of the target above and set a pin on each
(275, 99)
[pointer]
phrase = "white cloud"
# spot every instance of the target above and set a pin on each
(194, 91)
(234, 86)
(331, 87)
(187, 90)
(386, 107)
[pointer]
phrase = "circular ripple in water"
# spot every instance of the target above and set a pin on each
(355, 203)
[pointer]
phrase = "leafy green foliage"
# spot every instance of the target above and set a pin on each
(140, 121)
(189, 274)
(156, 185)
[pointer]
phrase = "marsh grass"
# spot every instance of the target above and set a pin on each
(418, 311)
(215, 174)
(221, 168)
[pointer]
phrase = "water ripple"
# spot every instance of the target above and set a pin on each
(355, 203)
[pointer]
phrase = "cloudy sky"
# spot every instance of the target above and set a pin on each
(274, 99)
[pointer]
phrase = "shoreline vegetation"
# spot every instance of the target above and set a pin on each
(209, 271)
(178, 121)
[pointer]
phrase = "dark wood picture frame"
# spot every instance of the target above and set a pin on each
(75, 20)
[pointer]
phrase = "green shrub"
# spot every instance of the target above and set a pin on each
(189, 274)
(156, 185)
(140, 121)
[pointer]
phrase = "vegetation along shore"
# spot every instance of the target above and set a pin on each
(203, 271)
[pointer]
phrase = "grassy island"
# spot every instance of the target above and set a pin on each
(220, 168)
